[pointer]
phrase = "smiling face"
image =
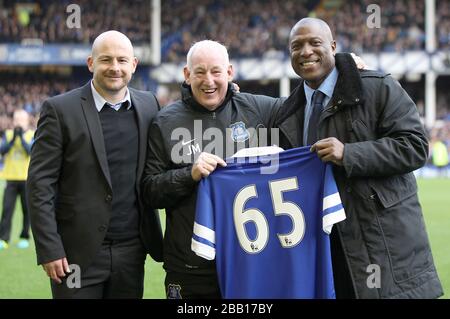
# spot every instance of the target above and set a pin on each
(208, 73)
(112, 63)
(312, 50)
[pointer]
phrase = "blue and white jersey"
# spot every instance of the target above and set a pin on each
(267, 222)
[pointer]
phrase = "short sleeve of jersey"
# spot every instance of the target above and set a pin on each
(203, 239)
(333, 211)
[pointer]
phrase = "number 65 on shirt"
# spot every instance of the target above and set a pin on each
(270, 233)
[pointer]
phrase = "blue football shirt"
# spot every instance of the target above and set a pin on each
(267, 221)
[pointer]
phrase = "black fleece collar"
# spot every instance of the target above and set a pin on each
(348, 89)
(188, 98)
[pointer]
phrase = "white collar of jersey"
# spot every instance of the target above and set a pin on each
(258, 151)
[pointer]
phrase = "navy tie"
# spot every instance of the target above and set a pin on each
(124, 106)
(317, 104)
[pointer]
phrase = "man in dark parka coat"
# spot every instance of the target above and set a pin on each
(370, 130)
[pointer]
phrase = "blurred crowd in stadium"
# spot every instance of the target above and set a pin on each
(254, 28)
(247, 28)
(262, 27)
(46, 20)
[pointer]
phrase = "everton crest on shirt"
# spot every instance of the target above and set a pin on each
(266, 220)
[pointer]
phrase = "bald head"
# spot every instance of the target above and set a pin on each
(314, 23)
(112, 37)
(112, 63)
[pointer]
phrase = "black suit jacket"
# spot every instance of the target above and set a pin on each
(69, 190)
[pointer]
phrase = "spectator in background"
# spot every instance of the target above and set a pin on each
(440, 156)
(163, 95)
(15, 148)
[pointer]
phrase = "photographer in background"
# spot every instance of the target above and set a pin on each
(15, 148)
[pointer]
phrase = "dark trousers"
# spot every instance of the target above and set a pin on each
(188, 286)
(116, 272)
(341, 275)
(12, 190)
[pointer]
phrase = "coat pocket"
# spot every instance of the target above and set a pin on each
(392, 190)
(402, 227)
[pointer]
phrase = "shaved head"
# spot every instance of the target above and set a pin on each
(112, 63)
(315, 23)
(112, 36)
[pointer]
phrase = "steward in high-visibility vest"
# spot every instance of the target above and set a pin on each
(16, 154)
(15, 149)
(440, 154)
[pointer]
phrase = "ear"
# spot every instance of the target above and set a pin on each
(90, 63)
(187, 74)
(333, 47)
(135, 63)
(230, 72)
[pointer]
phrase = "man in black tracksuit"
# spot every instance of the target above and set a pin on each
(189, 139)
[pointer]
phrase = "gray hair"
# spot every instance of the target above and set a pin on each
(208, 44)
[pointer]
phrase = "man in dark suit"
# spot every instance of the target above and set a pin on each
(85, 169)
